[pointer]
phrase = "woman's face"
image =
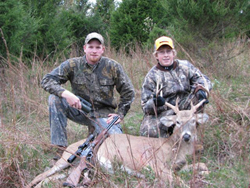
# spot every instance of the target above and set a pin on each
(165, 55)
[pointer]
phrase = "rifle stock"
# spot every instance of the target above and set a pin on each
(75, 175)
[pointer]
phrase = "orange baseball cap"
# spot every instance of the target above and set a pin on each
(163, 41)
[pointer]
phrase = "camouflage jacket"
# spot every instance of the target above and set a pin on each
(94, 83)
(180, 81)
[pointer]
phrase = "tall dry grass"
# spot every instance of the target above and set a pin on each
(25, 136)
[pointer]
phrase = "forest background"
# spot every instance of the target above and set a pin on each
(37, 35)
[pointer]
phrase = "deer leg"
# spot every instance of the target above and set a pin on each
(60, 164)
(200, 167)
(51, 178)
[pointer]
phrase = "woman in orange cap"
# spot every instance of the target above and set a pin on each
(168, 80)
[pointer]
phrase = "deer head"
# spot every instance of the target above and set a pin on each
(185, 121)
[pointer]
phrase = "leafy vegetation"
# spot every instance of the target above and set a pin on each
(49, 28)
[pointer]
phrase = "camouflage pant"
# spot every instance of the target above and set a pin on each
(151, 125)
(60, 111)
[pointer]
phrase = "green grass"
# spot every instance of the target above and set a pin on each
(132, 123)
(225, 176)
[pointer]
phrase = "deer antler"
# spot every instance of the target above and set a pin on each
(158, 87)
(194, 108)
(174, 108)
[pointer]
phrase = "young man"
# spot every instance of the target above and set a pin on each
(165, 82)
(93, 77)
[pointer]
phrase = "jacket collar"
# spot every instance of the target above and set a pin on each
(166, 68)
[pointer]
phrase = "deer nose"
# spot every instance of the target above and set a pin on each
(186, 137)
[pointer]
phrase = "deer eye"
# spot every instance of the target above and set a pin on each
(193, 121)
(178, 123)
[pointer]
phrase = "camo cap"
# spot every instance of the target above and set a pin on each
(94, 35)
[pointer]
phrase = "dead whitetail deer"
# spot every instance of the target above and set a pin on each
(135, 153)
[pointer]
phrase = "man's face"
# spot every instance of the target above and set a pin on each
(93, 50)
(165, 55)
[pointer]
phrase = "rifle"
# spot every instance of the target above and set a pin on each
(86, 156)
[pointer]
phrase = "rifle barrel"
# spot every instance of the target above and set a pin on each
(86, 106)
(115, 118)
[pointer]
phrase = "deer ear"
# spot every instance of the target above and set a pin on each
(202, 118)
(168, 121)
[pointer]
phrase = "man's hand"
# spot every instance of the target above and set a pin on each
(72, 99)
(159, 101)
(110, 118)
(200, 94)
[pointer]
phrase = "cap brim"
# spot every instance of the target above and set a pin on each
(164, 44)
(93, 39)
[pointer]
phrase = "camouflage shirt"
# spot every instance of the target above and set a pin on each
(180, 81)
(94, 83)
